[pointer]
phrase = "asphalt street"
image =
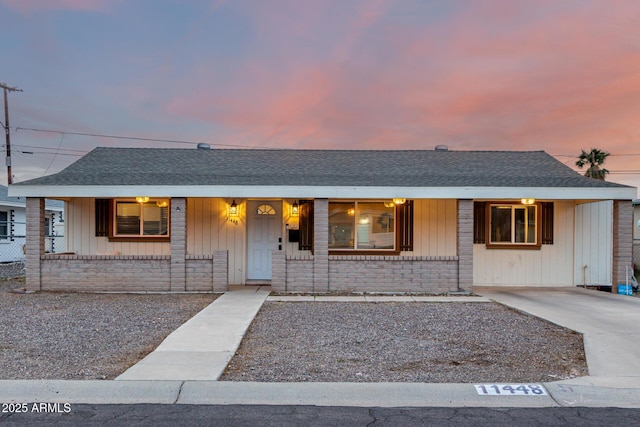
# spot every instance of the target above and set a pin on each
(261, 415)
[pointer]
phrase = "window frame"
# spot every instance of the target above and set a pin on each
(368, 251)
(114, 237)
(513, 245)
(6, 236)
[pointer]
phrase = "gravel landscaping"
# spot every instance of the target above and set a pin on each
(84, 336)
(54, 335)
(404, 342)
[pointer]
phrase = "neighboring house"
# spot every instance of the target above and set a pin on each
(13, 228)
(636, 220)
(636, 236)
(431, 221)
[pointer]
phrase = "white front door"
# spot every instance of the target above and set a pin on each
(264, 223)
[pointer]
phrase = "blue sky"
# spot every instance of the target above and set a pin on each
(557, 76)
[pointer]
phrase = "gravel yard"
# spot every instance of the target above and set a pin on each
(404, 342)
(84, 336)
(98, 336)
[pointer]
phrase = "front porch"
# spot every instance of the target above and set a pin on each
(205, 251)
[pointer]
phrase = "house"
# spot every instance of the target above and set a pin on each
(13, 227)
(432, 221)
(636, 235)
(636, 220)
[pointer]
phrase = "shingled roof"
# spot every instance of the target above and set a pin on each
(357, 168)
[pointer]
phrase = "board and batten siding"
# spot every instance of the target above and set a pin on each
(594, 243)
(82, 239)
(209, 229)
(552, 265)
(434, 227)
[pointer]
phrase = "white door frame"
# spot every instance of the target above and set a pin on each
(275, 239)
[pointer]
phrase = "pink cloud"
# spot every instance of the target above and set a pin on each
(555, 76)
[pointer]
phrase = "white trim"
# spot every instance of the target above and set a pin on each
(326, 192)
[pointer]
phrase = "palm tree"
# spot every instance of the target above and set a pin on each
(594, 158)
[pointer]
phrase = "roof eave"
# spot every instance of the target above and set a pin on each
(333, 192)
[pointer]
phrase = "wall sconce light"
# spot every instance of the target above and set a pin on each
(399, 200)
(162, 203)
(351, 211)
(389, 204)
(527, 201)
(142, 199)
(295, 209)
(233, 209)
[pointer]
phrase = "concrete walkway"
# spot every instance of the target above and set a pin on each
(609, 322)
(201, 348)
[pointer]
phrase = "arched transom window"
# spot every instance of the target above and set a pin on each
(265, 210)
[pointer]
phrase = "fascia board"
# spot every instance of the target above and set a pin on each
(12, 204)
(329, 192)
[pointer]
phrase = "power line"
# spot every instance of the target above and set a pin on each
(46, 153)
(49, 148)
(135, 138)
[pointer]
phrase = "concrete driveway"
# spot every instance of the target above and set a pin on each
(610, 323)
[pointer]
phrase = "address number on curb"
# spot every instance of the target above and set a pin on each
(511, 390)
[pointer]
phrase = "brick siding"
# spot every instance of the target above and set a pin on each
(34, 242)
(367, 273)
(178, 244)
(88, 273)
(465, 245)
(207, 273)
(131, 273)
(622, 241)
(321, 245)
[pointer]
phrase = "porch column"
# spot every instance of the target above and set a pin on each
(321, 245)
(178, 244)
(34, 242)
(622, 241)
(465, 245)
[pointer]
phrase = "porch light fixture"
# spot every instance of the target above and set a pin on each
(399, 200)
(295, 209)
(162, 203)
(351, 211)
(233, 209)
(389, 204)
(142, 199)
(527, 201)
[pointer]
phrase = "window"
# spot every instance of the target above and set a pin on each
(4, 225)
(265, 210)
(513, 224)
(362, 225)
(509, 225)
(133, 219)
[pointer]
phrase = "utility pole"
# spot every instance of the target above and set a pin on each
(7, 131)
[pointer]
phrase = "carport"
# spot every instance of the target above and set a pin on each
(610, 323)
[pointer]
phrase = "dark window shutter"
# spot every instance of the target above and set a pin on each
(12, 222)
(103, 222)
(306, 225)
(404, 212)
(479, 222)
(547, 223)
